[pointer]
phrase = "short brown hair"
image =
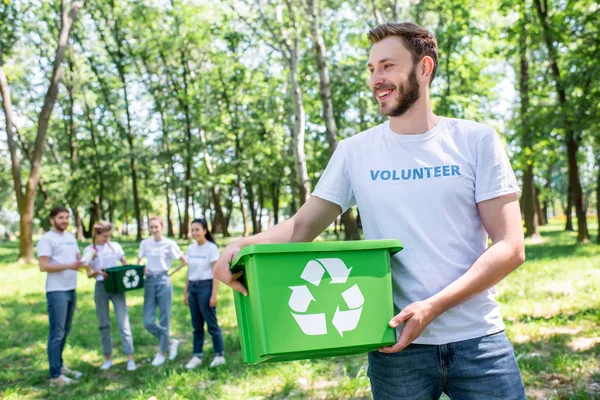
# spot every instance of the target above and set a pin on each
(57, 210)
(419, 41)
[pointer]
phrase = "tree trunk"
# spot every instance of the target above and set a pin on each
(243, 208)
(548, 188)
(348, 220)
(26, 248)
(538, 206)
(299, 132)
(111, 211)
(68, 17)
(252, 207)
(219, 226)
(571, 141)
(184, 232)
(528, 196)
(569, 210)
(598, 200)
(261, 203)
(275, 186)
(229, 206)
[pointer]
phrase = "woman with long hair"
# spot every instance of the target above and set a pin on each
(201, 293)
(108, 254)
(158, 290)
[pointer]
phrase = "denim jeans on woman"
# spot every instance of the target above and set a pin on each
(101, 298)
(475, 369)
(61, 307)
(199, 293)
(158, 293)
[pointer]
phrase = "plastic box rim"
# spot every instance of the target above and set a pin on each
(392, 245)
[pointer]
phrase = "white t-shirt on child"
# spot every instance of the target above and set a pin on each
(61, 248)
(200, 259)
(159, 255)
(107, 255)
(423, 189)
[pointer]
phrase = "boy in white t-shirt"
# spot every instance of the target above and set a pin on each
(58, 255)
(441, 186)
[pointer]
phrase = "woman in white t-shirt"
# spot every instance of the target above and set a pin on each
(158, 290)
(201, 292)
(107, 255)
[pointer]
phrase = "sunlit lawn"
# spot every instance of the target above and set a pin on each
(551, 306)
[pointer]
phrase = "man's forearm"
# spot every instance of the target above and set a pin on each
(491, 267)
(55, 267)
(302, 227)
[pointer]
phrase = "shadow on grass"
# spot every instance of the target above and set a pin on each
(590, 314)
(552, 368)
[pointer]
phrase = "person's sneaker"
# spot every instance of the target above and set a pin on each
(61, 380)
(173, 346)
(131, 365)
(159, 360)
(70, 372)
(194, 362)
(219, 360)
(107, 364)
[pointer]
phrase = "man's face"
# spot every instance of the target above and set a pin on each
(60, 222)
(393, 77)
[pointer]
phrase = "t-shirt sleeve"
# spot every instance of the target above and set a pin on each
(119, 250)
(175, 251)
(494, 177)
(44, 247)
(142, 250)
(334, 184)
(214, 253)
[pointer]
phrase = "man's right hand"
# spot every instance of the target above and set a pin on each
(223, 273)
(77, 265)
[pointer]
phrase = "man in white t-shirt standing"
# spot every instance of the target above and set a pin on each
(441, 186)
(58, 255)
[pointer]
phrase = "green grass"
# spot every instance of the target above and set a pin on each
(551, 307)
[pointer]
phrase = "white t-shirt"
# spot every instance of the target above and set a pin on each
(200, 259)
(159, 255)
(423, 189)
(62, 249)
(107, 255)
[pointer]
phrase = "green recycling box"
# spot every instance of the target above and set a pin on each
(123, 278)
(319, 299)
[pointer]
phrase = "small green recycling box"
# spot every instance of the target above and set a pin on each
(319, 299)
(123, 278)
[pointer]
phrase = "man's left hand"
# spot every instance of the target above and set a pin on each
(415, 316)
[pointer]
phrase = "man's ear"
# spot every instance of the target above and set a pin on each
(426, 68)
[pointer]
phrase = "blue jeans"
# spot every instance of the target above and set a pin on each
(61, 307)
(102, 298)
(158, 292)
(199, 293)
(475, 369)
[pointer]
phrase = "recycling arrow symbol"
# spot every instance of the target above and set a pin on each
(301, 297)
(131, 279)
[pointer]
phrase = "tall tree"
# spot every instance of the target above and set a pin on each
(26, 201)
(350, 226)
(280, 27)
(572, 142)
(529, 196)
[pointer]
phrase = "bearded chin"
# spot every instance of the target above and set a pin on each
(407, 95)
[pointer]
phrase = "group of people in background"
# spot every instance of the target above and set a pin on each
(59, 257)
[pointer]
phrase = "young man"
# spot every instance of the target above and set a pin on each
(59, 257)
(441, 186)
